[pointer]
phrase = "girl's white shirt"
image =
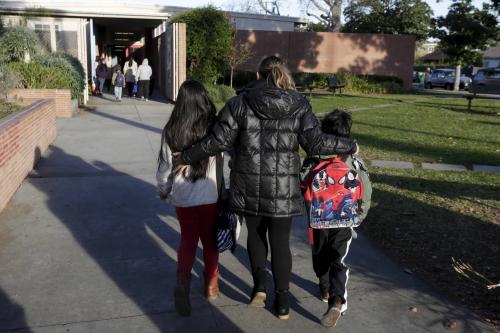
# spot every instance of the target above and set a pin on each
(180, 191)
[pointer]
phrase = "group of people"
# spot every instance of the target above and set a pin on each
(135, 79)
(263, 128)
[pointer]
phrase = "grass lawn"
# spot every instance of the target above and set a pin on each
(438, 223)
(444, 226)
(7, 108)
(424, 129)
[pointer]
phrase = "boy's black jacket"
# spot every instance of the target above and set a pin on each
(264, 126)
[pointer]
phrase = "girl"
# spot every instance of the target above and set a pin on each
(265, 124)
(192, 189)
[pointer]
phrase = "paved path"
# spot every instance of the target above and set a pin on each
(85, 246)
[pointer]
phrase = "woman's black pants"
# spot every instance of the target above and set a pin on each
(278, 230)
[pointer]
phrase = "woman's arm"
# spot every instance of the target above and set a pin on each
(221, 138)
(315, 142)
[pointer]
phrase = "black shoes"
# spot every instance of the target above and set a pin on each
(282, 304)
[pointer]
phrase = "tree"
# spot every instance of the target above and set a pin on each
(239, 54)
(327, 12)
(20, 44)
(209, 41)
(406, 17)
(466, 31)
(255, 6)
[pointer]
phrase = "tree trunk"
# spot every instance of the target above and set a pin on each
(231, 78)
(456, 84)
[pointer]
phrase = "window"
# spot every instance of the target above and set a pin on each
(43, 32)
(67, 41)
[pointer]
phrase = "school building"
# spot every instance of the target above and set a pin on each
(116, 30)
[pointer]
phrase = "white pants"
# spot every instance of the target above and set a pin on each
(118, 92)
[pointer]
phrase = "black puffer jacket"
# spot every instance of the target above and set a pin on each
(264, 126)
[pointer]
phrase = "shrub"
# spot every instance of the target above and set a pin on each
(7, 108)
(70, 65)
(39, 76)
(226, 92)
(354, 83)
(19, 42)
(209, 42)
(219, 94)
(9, 79)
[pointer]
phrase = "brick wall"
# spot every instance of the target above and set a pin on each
(330, 52)
(62, 98)
(24, 137)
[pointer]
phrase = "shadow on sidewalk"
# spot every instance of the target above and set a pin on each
(120, 223)
(12, 314)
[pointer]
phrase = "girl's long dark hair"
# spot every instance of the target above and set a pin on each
(191, 120)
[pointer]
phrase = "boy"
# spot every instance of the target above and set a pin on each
(330, 246)
(118, 81)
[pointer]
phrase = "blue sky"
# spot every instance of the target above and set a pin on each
(292, 7)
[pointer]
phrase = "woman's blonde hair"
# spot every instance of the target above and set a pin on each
(275, 69)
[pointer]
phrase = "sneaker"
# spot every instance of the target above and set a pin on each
(332, 315)
(258, 300)
(147, 100)
(324, 295)
(142, 98)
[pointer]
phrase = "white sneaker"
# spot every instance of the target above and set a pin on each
(147, 100)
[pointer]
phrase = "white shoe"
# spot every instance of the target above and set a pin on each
(147, 100)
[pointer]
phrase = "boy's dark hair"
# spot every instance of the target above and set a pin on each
(338, 122)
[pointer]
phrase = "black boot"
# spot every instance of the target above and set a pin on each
(282, 304)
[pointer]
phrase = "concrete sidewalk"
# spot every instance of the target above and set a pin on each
(86, 246)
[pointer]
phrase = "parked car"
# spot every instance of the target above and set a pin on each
(446, 78)
(486, 81)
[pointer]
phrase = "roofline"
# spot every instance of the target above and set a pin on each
(173, 9)
(82, 10)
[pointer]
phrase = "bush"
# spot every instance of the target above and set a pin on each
(220, 93)
(7, 108)
(38, 76)
(17, 42)
(354, 83)
(70, 65)
(9, 79)
(209, 42)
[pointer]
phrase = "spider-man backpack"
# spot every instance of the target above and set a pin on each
(333, 192)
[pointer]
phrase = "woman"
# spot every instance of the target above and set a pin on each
(144, 73)
(192, 190)
(130, 71)
(265, 125)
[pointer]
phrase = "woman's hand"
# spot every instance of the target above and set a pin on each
(179, 166)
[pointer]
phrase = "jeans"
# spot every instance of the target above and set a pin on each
(281, 258)
(130, 88)
(101, 84)
(197, 223)
(118, 92)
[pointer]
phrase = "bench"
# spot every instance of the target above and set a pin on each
(334, 84)
(471, 96)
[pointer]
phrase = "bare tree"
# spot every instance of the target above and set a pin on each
(269, 7)
(239, 54)
(327, 12)
(254, 6)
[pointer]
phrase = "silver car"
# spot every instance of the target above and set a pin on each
(486, 81)
(445, 78)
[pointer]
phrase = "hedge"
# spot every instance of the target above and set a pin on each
(70, 65)
(354, 83)
(220, 93)
(39, 76)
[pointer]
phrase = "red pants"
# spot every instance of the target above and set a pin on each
(197, 222)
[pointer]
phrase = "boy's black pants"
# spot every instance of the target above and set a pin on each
(329, 250)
